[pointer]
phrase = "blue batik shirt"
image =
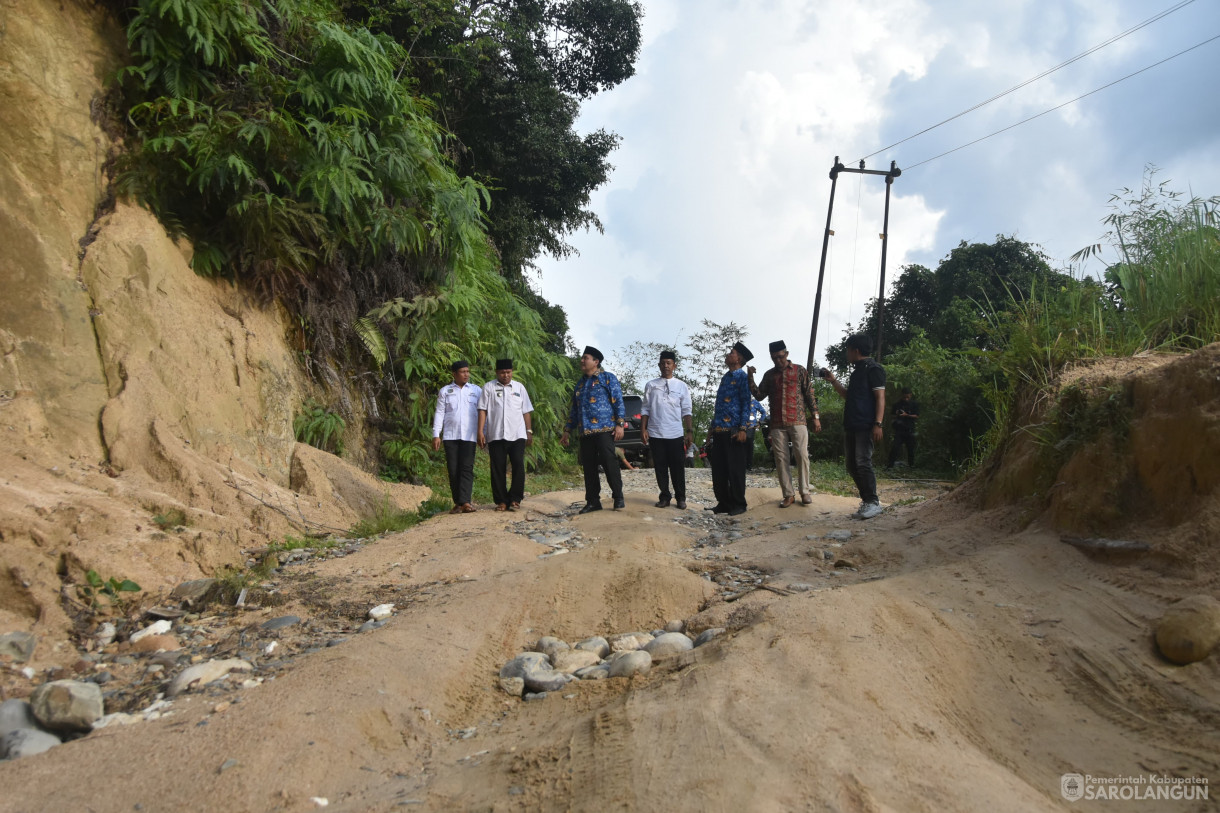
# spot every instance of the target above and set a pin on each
(733, 403)
(597, 404)
(757, 413)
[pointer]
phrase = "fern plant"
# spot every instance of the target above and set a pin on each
(319, 427)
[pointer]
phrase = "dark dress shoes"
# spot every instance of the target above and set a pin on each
(681, 504)
(619, 503)
(732, 512)
(591, 506)
(662, 503)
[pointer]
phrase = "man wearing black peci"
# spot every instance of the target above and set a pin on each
(665, 413)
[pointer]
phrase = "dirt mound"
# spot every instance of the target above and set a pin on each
(1126, 449)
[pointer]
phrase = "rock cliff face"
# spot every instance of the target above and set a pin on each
(129, 386)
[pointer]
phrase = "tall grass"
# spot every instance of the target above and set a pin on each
(1161, 291)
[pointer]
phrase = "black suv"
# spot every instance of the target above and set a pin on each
(632, 443)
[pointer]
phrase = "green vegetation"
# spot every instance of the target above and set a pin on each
(387, 170)
(389, 519)
(173, 518)
(984, 338)
(319, 427)
(112, 589)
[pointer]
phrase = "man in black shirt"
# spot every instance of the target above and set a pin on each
(906, 413)
(862, 415)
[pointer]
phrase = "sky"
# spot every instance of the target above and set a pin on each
(717, 205)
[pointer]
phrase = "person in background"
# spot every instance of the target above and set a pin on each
(665, 418)
(862, 415)
(906, 413)
(505, 429)
(758, 417)
(727, 433)
(790, 393)
(597, 412)
(456, 420)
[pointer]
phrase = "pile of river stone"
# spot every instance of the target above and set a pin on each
(553, 664)
(57, 711)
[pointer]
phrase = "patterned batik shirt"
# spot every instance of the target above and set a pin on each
(789, 393)
(597, 404)
(733, 403)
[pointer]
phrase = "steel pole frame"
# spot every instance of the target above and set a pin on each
(889, 176)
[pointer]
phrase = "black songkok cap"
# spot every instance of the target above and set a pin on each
(743, 351)
(775, 347)
(459, 364)
(590, 350)
(504, 364)
(669, 354)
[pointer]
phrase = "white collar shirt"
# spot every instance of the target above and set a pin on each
(506, 407)
(457, 412)
(666, 402)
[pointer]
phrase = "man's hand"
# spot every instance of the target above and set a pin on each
(877, 434)
(563, 439)
(529, 438)
(482, 440)
(817, 425)
(618, 433)
(741, 436)
(644, 436)
(436, 444)
(751, 370)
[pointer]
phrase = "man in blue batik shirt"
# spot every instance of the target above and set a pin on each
(728, 433)
(598, 414)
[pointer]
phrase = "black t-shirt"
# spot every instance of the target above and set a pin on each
(860, 408)
(902, 424)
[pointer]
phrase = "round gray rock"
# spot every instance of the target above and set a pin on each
(571, 660)
(628, 641)
(708, 635)
(635, 662)
(676, 626)
(668, 645)
(1189, 630)
(25, 742)
(596, 644)
(549, 646)
(16, 715)
(67, 705)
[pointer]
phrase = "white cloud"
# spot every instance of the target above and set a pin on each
(717, 206)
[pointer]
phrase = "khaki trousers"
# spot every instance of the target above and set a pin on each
(799, 436)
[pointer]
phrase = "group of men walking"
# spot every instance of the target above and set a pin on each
(497, 417)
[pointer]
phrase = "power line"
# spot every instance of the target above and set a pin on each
(1045, 73)
(1065, 104)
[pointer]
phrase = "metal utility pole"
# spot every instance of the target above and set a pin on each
(889, 176)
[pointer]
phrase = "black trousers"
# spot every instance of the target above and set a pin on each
(459, 460)
(594, 449)
(901, 439)
(858, 452)
(669, 461)
(503, 452)
(728, 459)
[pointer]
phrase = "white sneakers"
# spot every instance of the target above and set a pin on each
(869, 510)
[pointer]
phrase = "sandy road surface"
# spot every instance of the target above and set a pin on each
(945, 663)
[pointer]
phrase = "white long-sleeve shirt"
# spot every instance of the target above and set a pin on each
(457, 412)
(666, 402)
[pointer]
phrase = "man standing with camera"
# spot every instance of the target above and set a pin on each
(790, 393)
(862, 415)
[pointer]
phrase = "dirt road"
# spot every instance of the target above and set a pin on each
(935, 660)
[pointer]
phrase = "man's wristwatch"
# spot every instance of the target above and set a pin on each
(876, 423)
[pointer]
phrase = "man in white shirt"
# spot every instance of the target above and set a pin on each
(457, 419)
(665, 413)
(505, 429)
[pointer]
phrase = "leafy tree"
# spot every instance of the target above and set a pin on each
(951, 304)
(507, 77)
(636, 364)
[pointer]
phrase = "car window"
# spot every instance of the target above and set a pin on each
(632, 405)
